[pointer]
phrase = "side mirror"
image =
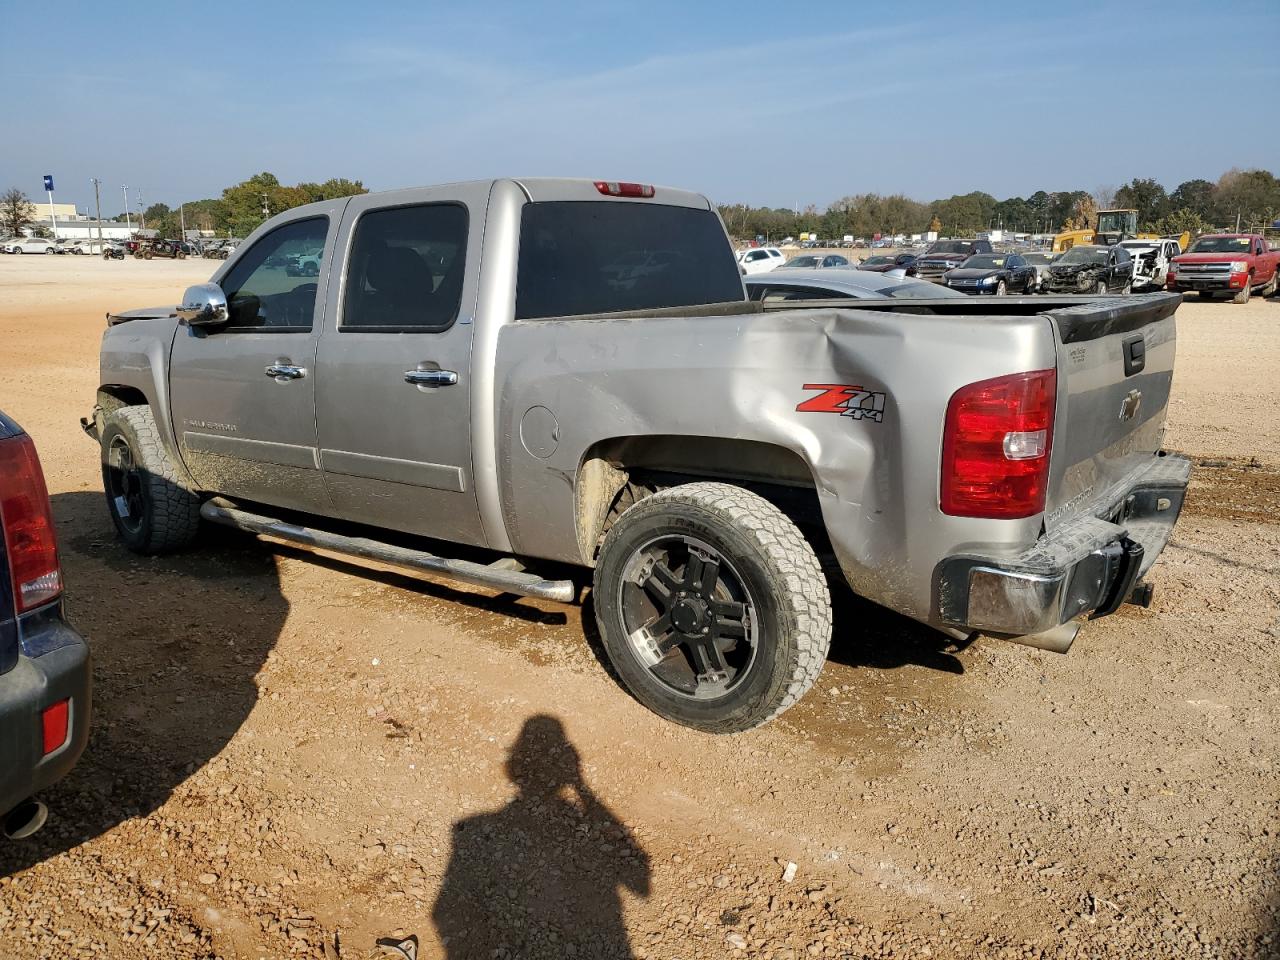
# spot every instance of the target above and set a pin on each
(204, 305)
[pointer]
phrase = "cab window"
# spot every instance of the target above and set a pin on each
(265, 290)
(405, 270)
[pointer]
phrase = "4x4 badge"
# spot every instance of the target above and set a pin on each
(846, 400)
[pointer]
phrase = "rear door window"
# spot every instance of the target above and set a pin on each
(591, 257)
(405, 270)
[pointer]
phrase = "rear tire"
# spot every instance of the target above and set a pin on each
(1270, 287)
(1245, 292)
(756, 628)
(151, 507)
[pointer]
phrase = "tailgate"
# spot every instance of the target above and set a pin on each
(1115, 367)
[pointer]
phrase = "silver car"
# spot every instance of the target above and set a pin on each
(825, 284)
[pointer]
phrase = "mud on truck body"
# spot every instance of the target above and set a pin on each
(474, 364)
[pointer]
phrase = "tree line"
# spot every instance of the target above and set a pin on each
(236, 213)
(1198, 206)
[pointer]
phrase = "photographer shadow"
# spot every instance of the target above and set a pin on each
(540, 877)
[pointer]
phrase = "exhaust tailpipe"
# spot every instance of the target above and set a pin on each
(25, 820)
(1057, 640)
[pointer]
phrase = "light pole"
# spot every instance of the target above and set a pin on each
(97, 199)
(142, 217)
(127, 222)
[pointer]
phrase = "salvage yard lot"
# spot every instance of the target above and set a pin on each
(283, 741)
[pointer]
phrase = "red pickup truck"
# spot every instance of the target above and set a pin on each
(1237, 263)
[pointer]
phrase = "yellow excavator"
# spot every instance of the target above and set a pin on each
(1113, 226)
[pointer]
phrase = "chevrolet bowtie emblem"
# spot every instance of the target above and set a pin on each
(1129, 409)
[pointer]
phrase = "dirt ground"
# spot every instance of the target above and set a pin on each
(294, 754)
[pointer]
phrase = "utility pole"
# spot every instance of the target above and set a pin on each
(266, 210)
(142, 217)
(127, 222)
(97, 199)
(182, 220)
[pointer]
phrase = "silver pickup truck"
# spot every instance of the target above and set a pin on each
(564, 371)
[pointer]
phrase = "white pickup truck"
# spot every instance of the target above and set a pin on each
(481, 364)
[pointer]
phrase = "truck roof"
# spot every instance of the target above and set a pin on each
(539, 189)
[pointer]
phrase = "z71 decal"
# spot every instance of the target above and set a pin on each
(848, 401)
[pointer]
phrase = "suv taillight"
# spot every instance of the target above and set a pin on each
(28, 525)
(995, 446)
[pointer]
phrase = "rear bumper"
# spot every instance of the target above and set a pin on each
(1091, 565)
(60, 672)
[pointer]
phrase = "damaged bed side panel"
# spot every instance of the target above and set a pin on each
(858, 396)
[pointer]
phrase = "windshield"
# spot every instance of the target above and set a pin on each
(1039, 259)
(983, 261)
(1085, 255)
(1221, 245)
(1118, 221)
(952, 246)
(877, 261)
(803, 262)
(584, 257)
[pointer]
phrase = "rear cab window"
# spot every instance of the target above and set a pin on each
(591, 257)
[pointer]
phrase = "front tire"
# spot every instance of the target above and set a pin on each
(1001, 289)
(1245, 292)
(1101, 287)
(712, 607)
(152, 509)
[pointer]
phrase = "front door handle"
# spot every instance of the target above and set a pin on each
(282, 371)
(431, 378)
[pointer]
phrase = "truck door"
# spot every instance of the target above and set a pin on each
(393, 404)
(243, 395)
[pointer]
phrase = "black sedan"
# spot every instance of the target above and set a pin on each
(992, 273)
(1092, 269)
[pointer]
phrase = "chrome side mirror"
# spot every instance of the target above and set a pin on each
(204, 305)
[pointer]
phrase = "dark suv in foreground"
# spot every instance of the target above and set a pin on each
(44, 663)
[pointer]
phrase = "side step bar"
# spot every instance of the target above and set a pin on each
(498, 576)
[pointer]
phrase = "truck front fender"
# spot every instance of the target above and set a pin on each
(134, 369)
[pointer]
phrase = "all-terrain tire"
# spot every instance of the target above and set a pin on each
(778, 567)
(1245, 292)
(166, 514)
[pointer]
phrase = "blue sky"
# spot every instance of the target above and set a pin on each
(773, 103)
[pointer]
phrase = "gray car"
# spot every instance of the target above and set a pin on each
(470, 365)
(825, 284)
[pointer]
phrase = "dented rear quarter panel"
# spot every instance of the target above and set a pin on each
(742, 377)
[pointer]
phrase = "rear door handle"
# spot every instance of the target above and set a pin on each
(282, 371)
(431, 378)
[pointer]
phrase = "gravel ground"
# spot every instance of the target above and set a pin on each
(294, 754)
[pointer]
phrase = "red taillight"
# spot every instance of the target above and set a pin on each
(612, 188)
(28, 525)
(55, 725)
(995, 447)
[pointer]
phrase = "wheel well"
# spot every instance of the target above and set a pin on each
(113, 396)
(616, 473)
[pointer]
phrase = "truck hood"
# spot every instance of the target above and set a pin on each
(143, 313)
(1211, 257)
(1071, 269)
(949, 257)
